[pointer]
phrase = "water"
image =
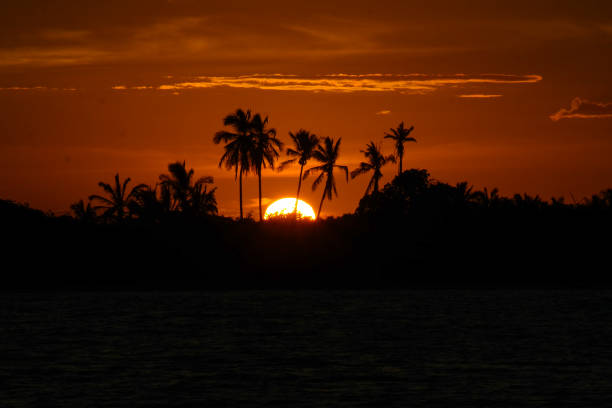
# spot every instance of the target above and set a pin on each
(311, 348)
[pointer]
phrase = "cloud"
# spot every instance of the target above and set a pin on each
(349, 83)
(585, 109)
(24, 88)
(35, 88)
(383, 112)
(51, 56)
(480, 96)
(206, 38)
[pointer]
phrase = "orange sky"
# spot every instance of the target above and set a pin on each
(516, 96)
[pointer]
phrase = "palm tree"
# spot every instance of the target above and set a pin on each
(264, 148)
(487, 199)
(400, 135)
(305, 143)
(117, 205)
(327, 154)
(375, 161)
(238, 147)
(203, 202)
(148, 207)
(82, 212)
(463, 194)
(179, 182)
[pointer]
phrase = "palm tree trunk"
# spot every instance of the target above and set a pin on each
(297, 196)
(240, 186)
(259, 174)
(322, 198)
(401, 156)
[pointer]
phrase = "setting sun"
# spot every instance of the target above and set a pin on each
(287, 206)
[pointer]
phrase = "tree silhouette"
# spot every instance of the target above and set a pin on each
(238, 147)
(463, 194)
(600, 201)
(400, 136)
(327, 154)
(179, 183)
(375, 161)
(203, 202)
(486, 199)
(82, 212)
(264, 149)
(117, 204)
(527, 202)
(305, 144)
(148, 207)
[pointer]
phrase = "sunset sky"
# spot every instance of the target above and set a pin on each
(516, 96)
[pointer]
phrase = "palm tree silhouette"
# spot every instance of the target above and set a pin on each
(264, 148)
(400, 135)
(239, 145)
(327, 153)
(375, 161)
(463, 194)
(487, 199)
(148, 207)
(82, 212)
(117, 205)
(203, 202)
(305, 143)
(179, 182)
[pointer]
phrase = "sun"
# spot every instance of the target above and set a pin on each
(287, 206)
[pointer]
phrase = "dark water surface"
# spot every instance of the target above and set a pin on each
(311, 348)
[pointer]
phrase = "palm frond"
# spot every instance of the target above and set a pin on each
(317, 181)
(286, 163)
(312, 169)
(362, 169)
(345, 169)
(102, 199)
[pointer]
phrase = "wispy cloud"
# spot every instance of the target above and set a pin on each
(348, 83)
(383, 112)
(584, 109)
(480, 96)
(35, 88)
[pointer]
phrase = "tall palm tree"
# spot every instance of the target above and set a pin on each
(305, 143)
(264, 149)
(375, 161)
(179, 182)
(400, 136)
(327, 154)
(238, 147)
(117, 204)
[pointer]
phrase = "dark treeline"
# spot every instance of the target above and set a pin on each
(414, 231)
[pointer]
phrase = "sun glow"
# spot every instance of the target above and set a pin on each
(286, 206)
